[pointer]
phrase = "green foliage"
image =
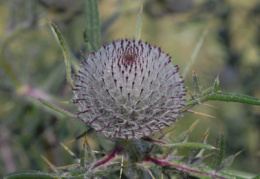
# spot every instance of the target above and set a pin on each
(30, 174)
(65, 51)
(166, 159)
(187, 144)
(92, 34)
(58, 109)
(89, 166)
(221, 96)
(220, 152)
(197, 85)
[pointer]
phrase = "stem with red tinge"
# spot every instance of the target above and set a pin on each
(113, 155)
(162, 163)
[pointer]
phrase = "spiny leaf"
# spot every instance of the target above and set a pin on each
(58, 109)
(90, 154)
(78, 172)
(82, 156)
(190, 145)
(205, 136)
(199, 160)
(181, 137)
(196, 83)
(30, 174)
(196, 151)
(216, 84)
(228, 161)
(219, 154)
(105, 172)
(66, 167)
(88, 151)
(65, 52)
(92, 25)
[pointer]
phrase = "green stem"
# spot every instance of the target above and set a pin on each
(231, 97)
(221, 96)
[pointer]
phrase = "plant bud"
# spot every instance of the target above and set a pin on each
(129, 89)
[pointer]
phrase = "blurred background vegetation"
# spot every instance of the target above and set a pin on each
(231, 48)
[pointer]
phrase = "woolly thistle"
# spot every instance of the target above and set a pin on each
(128, 89)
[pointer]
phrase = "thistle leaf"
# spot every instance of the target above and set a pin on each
(80, 172)
(30, 174)
(105, 172)
(219, 154)
(90, 154)
(181, 137)
(227, 162)
(65, 52)
(184, 135)
(190, 145)
(82, 156)
(92, 25)
(216, 84)
(195, 152)
(58, 109)
(196, 83)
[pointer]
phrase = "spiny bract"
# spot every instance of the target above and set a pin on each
(128, 89)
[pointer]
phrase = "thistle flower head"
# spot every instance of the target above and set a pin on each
(128, 89)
